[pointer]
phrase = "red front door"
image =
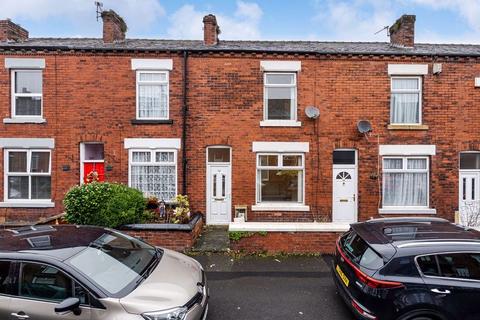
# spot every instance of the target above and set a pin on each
(93, 171)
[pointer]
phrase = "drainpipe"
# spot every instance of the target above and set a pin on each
(184, 123)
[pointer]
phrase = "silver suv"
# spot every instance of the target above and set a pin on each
(90, 273)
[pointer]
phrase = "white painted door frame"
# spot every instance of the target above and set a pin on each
(351, 168)
(210, 168)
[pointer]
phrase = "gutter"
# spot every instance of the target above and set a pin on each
(184, 122)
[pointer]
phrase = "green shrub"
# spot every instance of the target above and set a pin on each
(104, 204)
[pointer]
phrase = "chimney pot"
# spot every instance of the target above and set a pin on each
(211, 30)
(10, 31)
(114, 27)
(402, 33)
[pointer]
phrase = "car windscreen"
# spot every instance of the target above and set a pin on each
(115, 262)
(360, 252)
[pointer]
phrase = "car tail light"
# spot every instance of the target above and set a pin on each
(369, 281)
(363, 311)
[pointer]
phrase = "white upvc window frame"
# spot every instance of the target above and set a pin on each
(293, 106)
(14, 95)
(27, 173)
(420, 99)
(406, 170)
(139, 83)
(280, 166)
(153, 163)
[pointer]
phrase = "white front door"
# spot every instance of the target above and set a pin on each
(344, 194)
(219, 200)
(469, 198)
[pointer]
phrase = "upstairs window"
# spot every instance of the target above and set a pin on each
(406, 100)
(280, 96)
(152, 95)
(27, 93)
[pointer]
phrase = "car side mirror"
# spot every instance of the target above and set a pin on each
(69, 305)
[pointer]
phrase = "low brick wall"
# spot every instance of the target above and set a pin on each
(288, 242)
(178, 239)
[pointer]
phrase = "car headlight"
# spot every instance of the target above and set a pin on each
(170, 314)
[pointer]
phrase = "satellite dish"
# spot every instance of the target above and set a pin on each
(364, 126)
(312, 112)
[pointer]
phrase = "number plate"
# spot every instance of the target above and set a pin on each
(342, 275)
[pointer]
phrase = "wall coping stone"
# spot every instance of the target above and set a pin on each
(164, 226)
(289, 226)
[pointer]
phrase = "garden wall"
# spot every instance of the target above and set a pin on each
(178, 237)
(287, 242)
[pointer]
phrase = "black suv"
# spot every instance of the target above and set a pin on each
(405, 269)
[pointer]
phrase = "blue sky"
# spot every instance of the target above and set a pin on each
(442, 21)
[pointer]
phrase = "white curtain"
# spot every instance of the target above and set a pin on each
(405, 188)
(159, 181)
(405, 108)
(152, 101)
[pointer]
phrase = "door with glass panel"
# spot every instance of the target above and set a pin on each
(219, 198)
(469, 189)
(344, 193)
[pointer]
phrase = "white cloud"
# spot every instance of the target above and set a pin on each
(244, 24)
(354, 20)
(139, 14)
(468, 9)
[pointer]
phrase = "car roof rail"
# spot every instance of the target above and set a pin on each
(406, 219)
(31, 229)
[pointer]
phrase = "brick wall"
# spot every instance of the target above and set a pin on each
(91, 97)
(288, 242)
(173, 240)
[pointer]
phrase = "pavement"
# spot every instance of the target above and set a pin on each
(263, 288)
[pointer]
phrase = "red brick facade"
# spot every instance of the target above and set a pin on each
(90, 96)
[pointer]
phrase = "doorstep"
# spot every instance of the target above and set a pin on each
(289, 226)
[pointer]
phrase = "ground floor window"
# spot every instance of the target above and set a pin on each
(154, 172)
(405, 181)
(280, 178)
(27, 174)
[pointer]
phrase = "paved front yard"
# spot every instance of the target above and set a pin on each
(271, 288)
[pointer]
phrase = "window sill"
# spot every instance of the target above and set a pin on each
(407, 210)
(28, 204)
(280, 123)
(146, 121)
(280, 207)
(407, 127)
(24, 120)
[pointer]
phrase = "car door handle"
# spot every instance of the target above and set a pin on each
(440, 291)
(20, 315)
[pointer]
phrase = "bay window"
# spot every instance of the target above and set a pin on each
(280, 178)
(405, 182)
(152, 95)
(406, 100)
(154, 172)
(27, 175)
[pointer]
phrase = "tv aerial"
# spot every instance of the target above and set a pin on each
(312, 112)
(99, 6)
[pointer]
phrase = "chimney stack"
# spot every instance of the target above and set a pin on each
(402, 33)
(114, 27)
(10, 31)
(211, 30)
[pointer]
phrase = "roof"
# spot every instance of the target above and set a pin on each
(60, 242)
(421, 231)
(312, 47)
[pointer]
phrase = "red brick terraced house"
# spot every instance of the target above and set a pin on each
(300, 137)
